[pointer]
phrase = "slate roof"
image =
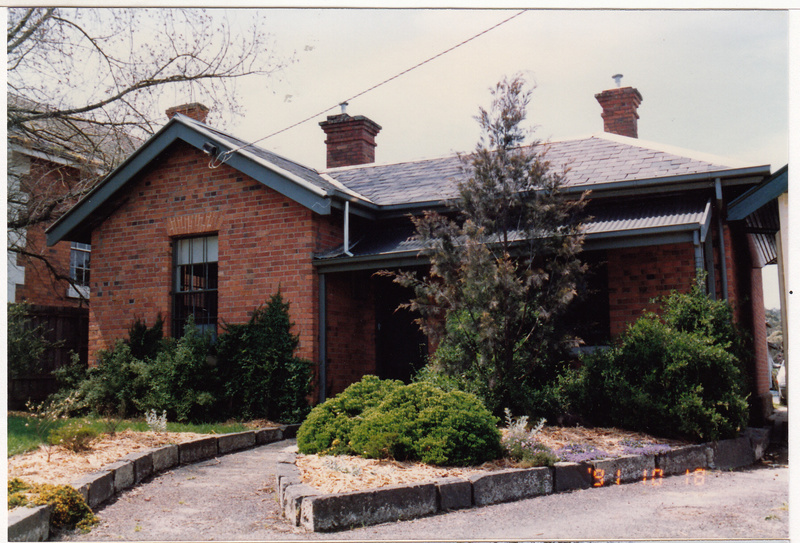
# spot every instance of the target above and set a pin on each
(589, 161)
(307, 174)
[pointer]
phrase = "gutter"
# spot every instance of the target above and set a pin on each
(739, 176)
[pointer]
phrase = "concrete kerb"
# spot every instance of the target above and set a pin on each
(29, 523)
(306, 507)
(33, 524)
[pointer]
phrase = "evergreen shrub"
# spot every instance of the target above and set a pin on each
(327, 428)
(261, 376)
(250, 371)
(424, 423)
(674, 375)
(386, 419)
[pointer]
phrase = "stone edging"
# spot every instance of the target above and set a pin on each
(33, 523)
(305, 506)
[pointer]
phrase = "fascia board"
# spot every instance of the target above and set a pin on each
(114, 182)
(173, 131)
(758, 196)
(678, 182)
(55, 159)
(592, 243)
(370, 262)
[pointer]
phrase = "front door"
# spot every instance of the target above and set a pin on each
(402, 348)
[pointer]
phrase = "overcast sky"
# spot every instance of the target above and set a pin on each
(712, 81)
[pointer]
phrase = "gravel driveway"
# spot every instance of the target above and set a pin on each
(232, 498)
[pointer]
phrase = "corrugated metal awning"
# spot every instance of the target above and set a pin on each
(665, 220)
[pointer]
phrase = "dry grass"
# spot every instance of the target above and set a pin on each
(65, 466)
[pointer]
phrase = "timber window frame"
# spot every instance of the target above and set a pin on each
(79, 270)
(195, 283)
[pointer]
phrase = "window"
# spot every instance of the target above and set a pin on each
(79, 256)
(195, 288)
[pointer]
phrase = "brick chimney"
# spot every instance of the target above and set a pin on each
(195, 110)
(619, 109)
(350, 140)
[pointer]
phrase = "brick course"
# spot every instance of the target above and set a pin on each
(619, 111)
(266, 243)
(351, 329)
(637, 275)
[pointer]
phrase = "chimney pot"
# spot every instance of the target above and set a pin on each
(619, 110)
(195, 110)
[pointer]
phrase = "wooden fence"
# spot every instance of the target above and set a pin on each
(67, 329)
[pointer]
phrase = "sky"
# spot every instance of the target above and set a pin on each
(714, 82)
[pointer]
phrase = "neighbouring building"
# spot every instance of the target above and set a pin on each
(50, 163)
(197, 222)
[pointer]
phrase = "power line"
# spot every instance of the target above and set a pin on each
(226, 154)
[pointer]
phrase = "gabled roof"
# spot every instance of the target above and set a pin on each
(293, 180)
(66, 141)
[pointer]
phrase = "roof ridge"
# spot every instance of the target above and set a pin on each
(675, 150)
(455, 154)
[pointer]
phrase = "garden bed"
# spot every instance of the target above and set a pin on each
(64, 466)
(447, 490)
(335, 474)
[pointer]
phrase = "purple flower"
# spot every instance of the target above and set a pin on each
(579, 452)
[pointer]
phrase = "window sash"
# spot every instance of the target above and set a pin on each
(79, 258)
(195, 283)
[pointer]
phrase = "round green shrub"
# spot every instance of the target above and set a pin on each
(422, 422)
(327, 428)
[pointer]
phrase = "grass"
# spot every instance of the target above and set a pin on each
(22, 436)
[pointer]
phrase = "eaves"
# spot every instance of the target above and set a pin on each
(75, 225)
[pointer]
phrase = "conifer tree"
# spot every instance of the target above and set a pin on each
(504, 265)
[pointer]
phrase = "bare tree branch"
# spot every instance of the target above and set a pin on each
(84, 86)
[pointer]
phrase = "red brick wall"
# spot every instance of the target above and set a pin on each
(266, 243)
(45, 182)
(636, 275)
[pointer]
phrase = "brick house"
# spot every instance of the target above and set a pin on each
(50, 162)
(197, 222)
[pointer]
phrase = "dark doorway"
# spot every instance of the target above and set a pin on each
(402, 348)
